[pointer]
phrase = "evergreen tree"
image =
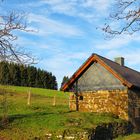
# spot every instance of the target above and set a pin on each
(65, 79)
(55, 86)
(11, 70)
(24, 75)
(21, 75)
(45, 79)
(5, 76)
(38, 81)
(17, 75)
(32, 76)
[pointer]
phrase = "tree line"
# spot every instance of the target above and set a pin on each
(24, 75)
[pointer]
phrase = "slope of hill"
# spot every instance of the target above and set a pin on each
(41, 118)
(130, 137)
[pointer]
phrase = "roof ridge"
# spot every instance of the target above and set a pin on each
(119, 64)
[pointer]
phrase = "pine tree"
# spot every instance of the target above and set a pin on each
(17, 75)
(55, 86)
(24, 75)
(21, 75)
(65, 79)
(5, 76)
(31, 76)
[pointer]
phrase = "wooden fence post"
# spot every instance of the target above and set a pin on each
(29, 97)
(54, 101)
(69, 101)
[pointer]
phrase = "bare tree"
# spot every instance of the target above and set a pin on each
(126, 16)
(9, 25)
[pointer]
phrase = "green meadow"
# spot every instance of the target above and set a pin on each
(41, 116)
(131, 137)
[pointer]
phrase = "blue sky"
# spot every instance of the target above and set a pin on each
(67, 34)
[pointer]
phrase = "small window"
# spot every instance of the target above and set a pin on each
(137, 112)
(81, 97)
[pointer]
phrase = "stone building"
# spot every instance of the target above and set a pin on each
(102, 85)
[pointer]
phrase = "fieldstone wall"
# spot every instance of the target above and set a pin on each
(134, 108)
(114, 101)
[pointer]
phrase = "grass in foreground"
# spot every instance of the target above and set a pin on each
(27, 122)
(131, 137)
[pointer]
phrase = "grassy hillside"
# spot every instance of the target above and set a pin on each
(131, 137)
(28, 122)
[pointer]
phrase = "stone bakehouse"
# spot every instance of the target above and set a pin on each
(102, 85)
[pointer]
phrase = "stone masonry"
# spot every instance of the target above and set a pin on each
(113, 101)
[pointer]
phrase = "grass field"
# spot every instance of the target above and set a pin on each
(131, 137)
(41, 117)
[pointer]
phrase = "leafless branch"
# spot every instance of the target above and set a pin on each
(9, 25)
(126, 15)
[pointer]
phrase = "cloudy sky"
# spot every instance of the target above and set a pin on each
(68, 32)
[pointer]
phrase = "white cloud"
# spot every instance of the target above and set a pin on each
(120, 42)
(125, 46)
(30, 43)
(88, 10)
(64, 64)
(113, 44)
(49, 26)
(99, 5)
(132, 57)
